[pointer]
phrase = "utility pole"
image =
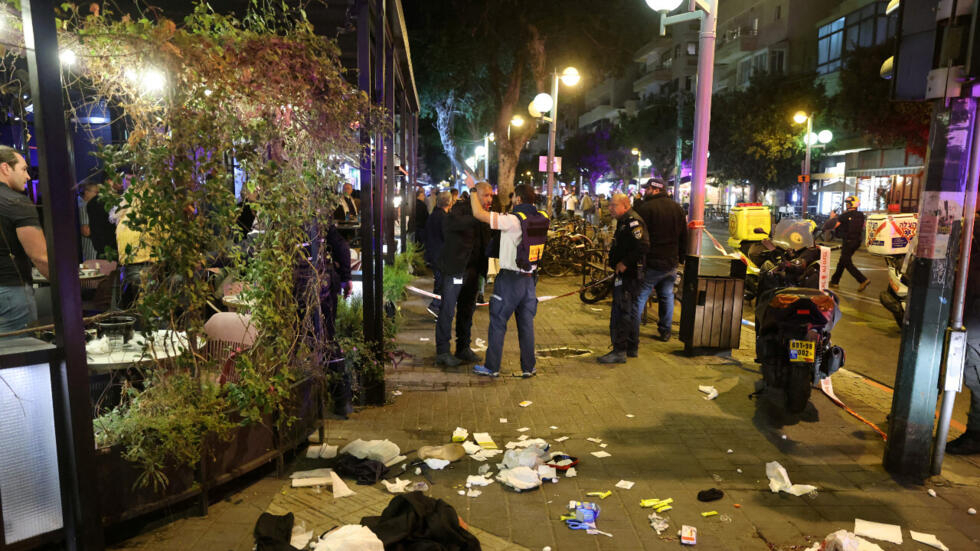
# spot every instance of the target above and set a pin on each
(679, 146)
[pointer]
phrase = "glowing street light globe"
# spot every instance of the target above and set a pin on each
(532, 110)
(517, 121)
(663, 5)
(824, 136)
(570, 76)
(634, 151)
(543, 103)
(811, 139)
(800, 117)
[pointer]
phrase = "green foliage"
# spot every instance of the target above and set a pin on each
(400, 273)
(653, 130)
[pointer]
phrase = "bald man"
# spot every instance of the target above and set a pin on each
(629, 248)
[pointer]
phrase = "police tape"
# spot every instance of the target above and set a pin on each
(545, 298)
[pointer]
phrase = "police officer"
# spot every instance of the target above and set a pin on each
(629, 248)
(850, 225)
(514, 287)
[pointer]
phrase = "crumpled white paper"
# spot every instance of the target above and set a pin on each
(322, 451)
(891, 533)
(625, 484)
(531, 456)
(779, 481)
(658, 523)
(436, 464)
(928, 539)
(300, 537)
(711, 391)
(351, 536)
(478, 480)
(396, 487)
(338, 487)
(384, 451)
(519, 478)
(315, 473)
(842, 540)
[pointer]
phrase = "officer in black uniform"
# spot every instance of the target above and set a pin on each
(629, 248)
(850, 225)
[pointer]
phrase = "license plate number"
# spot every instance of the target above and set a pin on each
(802, 351)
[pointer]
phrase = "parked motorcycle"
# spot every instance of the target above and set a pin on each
(761, 256)
(794, 317)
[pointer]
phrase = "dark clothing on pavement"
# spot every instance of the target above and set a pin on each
(667, 225)
(631, 242)
(417, 522)
(103, 232)
(16, 211)
(851, 230)
(513, 293)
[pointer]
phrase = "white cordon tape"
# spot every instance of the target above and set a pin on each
(718, 245)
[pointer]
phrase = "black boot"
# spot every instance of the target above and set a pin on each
(614, 357)
(967, 444)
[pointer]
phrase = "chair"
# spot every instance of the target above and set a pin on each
(228, 334)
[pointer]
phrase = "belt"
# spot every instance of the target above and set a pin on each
(525, 274)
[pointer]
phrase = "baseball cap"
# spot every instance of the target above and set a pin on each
(654, 183)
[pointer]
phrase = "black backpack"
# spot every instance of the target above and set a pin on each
(534, 235)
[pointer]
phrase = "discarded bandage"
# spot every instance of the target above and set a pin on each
(711, 391)
(779, 481)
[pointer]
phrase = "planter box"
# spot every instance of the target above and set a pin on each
(121, 499)
(249, 447)
(305, 407)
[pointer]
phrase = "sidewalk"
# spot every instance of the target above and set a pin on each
(659, 430)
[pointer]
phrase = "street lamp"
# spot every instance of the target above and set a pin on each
(639, 169)
(810, 138)
(707, 16)
(548, 103)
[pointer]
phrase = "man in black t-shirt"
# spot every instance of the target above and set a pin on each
(21, 243)
(850, 226)
(102, 231)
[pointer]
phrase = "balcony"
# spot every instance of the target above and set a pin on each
(659, 75)
(735, 43)
(598, 113)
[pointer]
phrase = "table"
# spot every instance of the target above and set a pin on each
(165, 344)
(39, 279)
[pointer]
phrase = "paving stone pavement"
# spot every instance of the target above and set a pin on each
(660, 433)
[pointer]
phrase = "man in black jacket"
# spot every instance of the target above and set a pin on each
(851, 229)
(433, 246)
(667, 224)
(461, 261)
(626, 257)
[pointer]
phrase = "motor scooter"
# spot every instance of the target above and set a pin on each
(894, 297)
(794, 319)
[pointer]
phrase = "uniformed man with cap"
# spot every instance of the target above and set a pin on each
(629, 248)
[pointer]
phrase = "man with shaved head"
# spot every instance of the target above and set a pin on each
(629, 248)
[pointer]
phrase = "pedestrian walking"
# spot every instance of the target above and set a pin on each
(461, 261)
(969, 442)
(433, 247)
(629, 248)
(523, 234)
(850, 226)
(588, 208)
(667, 226)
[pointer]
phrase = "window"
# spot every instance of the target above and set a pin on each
(829, 39)
(869, 26)
(744, 72)
(777, 60)
(779, 12)
(692, 48)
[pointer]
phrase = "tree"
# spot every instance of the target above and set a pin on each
(482, 61)
(862, 105)
(753, 137)
(653, 130)
(587, 154)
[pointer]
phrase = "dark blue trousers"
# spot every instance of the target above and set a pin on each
(436, 303)
(513, 293)
(459, 299)
(623, 329)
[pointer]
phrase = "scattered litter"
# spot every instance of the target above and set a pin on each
(547, 472)
(300, 537)
(779, 481)
(783, 437)
(971, 511)
(315, 473)
(323, 451)
(384, 451)
(931, 492)
(730, 451)
(707, 514)
(711, 391)
(470, 448)
(418, 470)
(689, 535)
(483, 455)
(717, 478)
(481, 345)
(600, 495)
(460, 434)
(601, 454)
(891, 533)
(522, 438)
(546, 548)
(473, 493)
(419, 486)
(424, 339)
(484, 469)
(484, 440)
(842, 540)
(519, 478)
(351, 536)
(595, 532)
(737, 505)
(928, 539)
(655, 503)
(478, 480)
(630, 415)
(594, 440)
(396, 487)
(625, 484)
(525, 403)
(396, 393)
(725, 518)
(449, 452)
(552, 427)
(461, 492)
(503, 419)
(561, 439)
(523, 429)
(739, 470)
(524, 442)
(586, 514)
(436, 464)
(571, 473)
(712, 494)
(594, 309)
(562, 461)
(314, 481)
(658, 523)
(338, 487)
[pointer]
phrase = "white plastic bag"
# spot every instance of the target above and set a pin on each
(352, 537)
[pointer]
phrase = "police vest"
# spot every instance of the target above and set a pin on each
(534, 235)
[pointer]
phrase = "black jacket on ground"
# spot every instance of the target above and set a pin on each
(630, 244)
(465, 242)
(667, 227)
(417, 522)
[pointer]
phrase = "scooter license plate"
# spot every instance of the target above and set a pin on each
(802, 351)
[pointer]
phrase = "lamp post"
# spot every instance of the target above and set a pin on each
(544, 103)
(639, 168)
(823, 137)
(702, 110)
